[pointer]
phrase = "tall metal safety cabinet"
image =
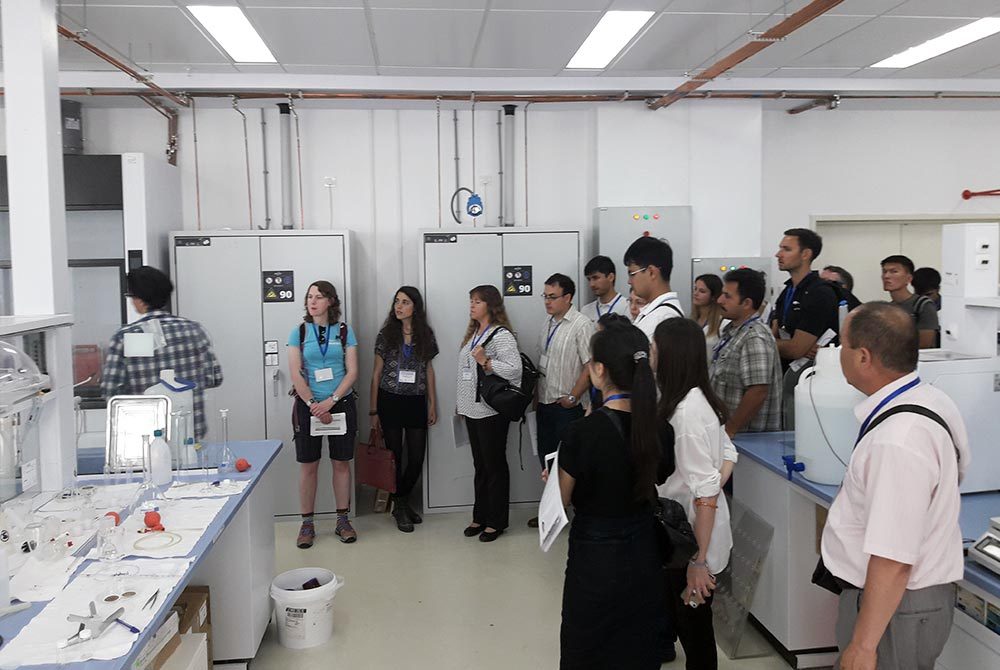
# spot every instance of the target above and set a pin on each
(248, 289)
(516, 261)
(619, 227)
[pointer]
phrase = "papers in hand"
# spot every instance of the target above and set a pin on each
(532, 420)
(336, 427)
(823, 340)
(461, 432)
(551, 514)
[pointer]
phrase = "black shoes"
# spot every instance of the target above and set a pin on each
(472, 531)
(490, 537)
(410, 513)
(403, 521)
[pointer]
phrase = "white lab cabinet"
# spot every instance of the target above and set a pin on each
(247, 288)
(452, 262)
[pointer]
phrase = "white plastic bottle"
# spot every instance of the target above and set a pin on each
(841, 314)
(159, 457)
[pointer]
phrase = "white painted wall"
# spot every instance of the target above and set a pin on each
(871, 163)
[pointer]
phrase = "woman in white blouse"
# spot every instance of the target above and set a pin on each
(489, 344)
(705, 308)
(702, 453)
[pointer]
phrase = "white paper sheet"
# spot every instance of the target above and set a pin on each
(225, 488)
(38, 581)
(36, 643)
(532, 420)
(461, 432)
(189, 518)
(551, 513)
(823, 340)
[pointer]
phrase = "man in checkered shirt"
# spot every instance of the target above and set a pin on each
(745, 368)
(179, 344)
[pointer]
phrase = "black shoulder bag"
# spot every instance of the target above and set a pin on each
(508, 400)
(822, 576)
(674, 534)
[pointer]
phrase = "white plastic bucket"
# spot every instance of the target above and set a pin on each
(304, 617)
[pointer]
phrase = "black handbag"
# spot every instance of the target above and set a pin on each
(510, 401)
(674, 534)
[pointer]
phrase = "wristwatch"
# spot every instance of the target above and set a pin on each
(311, 402)
(572, 398)
(335, 398)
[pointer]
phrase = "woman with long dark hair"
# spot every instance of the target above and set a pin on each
(489, 344)
(323, 364)
(705, 308)
(613, 614)
(403, 399)
(701, 447)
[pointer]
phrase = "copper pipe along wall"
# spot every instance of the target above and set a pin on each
(108, 58)
(789, 25)
(171, 115)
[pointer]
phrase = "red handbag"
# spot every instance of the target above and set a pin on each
(375, 465)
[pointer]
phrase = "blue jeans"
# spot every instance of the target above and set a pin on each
(553, 420)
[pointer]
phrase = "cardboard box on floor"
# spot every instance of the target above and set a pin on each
(162, 645)
(194, 611)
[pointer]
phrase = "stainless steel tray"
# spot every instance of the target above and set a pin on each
(129, 418)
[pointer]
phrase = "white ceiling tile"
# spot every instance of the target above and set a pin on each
(975, 9)
(876, 40)
(533, 39)
(329, 69)
(988, 73)
(682, 41)
(293, 4)
(866, 7)
(317, 36)
(748, 72)
(172, 36)
(564, 5)
(727, 6)
(812, 72)
(415, 38)
(427, 4)
(810, 36)
(194, 68)
(392, 71)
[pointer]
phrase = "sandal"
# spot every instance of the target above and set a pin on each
(345, 531)
(307, 535)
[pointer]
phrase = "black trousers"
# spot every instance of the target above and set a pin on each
(411, 443)
(492, 479)
(693, 625)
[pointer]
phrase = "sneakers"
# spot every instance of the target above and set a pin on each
(307, 535)
(345, 531)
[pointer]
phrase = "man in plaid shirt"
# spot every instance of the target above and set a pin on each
(745, 369)
(179, 344)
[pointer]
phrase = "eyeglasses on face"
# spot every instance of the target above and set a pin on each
(548, 297)
(633, 273)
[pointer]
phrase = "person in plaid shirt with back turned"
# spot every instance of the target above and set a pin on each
(179, 344)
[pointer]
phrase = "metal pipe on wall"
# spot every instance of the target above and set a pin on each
(500, 157)
(524, 117)
(507, 185)
(285, 132)
(456, 213)
(263, 156)
(246, 156)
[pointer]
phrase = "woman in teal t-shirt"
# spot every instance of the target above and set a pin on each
(323, 363)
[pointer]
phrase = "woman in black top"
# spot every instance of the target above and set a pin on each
(613, 613)
(403, 399)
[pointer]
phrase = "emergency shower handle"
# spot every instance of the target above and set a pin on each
(275, 375)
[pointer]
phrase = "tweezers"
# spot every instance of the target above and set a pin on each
(152, 600)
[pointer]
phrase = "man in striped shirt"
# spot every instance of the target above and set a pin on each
(564, 352)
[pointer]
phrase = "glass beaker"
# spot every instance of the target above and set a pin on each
(180, 438)
(226, 460)
(148, 495)
(109, 538)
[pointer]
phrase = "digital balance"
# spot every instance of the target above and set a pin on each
(986, 551)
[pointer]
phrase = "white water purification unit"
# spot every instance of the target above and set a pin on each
(247, 288)
(516, 261)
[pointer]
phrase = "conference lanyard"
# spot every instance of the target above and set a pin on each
(477, 340)
(789, 299)
(552, 332)
(617, 396)
(892, 396)
(324, 346)
(721, 344)
(597, 306)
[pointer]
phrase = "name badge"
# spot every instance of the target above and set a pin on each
(467, 375)
(543, 362)
(324, 375)
(407, 376)
(336, 427)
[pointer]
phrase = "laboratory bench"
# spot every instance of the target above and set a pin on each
(234, 558)
(799, 616)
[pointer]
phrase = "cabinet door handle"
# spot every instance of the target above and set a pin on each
(275, 374)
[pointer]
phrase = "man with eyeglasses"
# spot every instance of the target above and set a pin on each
(649, 262)
(564, 352)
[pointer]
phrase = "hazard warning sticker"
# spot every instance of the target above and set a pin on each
(516, 280)
(277, 285)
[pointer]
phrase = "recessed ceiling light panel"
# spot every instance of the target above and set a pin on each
(967, 34)
(230, 27)
(608, 38)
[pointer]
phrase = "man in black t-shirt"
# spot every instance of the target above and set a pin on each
(804, 312)
(843, 279)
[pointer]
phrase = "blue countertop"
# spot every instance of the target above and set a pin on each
(261, 455)
(974, 517)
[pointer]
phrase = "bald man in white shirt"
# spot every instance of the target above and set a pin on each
(892, 539)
